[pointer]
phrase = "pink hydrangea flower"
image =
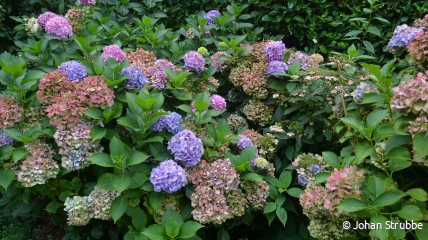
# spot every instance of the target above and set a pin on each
(218, 102)
(59, 27)
(44, 18)
(113, 51)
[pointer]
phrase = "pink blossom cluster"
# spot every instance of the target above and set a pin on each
(113, 51)
(418, 47)
(218, 102)
(66, 101)
(10, 112)
(412, 96)
(59, 27)
(219, 64)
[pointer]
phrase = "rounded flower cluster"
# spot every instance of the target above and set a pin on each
(38, 166)
(74, 70)
(402, 36)
(78, 210)
(237, 203)
(44, 18)
(418, 48)
(218, 102)
(186, 148)
(258, 112)
(210, 14)
(323, 229)
(53, 84)
(412, 96)
(142, 59)
(217, 63)
(220, 175)
(168, 177)
(76, 17)
(136, 78)
(252, 79)
(75, 146)
(59, 27)
(171, 122)
(419, 125)
(5, 139)
(274, 51)
(100, 202)
(209, 206)
(194, 61)
(113, 51)
(305, 60)
(87, 2)
(277, 66)
(32, 26)
(10, 112)
(421, 23)
(257, 193)
(236, 122)
(244, 142)
(361, 90)
(157, 75)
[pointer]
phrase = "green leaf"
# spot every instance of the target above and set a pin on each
(155, 232)
(376, 186)
(6, 177)
(418, 194)
(139, 217)
(322, 177)
(53, 207)
(118, 207)
(253, 177)
(369, 47)
(94, 113)
(354, 123)
(97, 132)
(282, 215)
(121, 182)
(410, 212)
(269, 207)
(172, 222)
(422, 233)
(420, 144)
(19, 153)
(399, 158)
(362, 150)
(155, 200)
(352, 205)
(189, 229)
(331, 158)
(117, 149)
(374, 30)
(136, 157)
(294, 192)
(101, 159)
(105, 181)
(376, 117)
(387, 199)
(380, 233)
(285, 179)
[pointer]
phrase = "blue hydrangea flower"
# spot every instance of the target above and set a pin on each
(136, 78)
(303, 179)
(74, 70)
(244, 142)
(402, 36)
(168, 177)
(277, 66)
(171, 122)
(361, 90)
(186, 148)
(194, 61)
(274, 51)
(5, 139)
(314, 169)
(210, 15)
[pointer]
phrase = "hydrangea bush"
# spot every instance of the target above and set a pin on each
(130, 132)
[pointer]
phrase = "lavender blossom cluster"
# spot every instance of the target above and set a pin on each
(171, 122)
(194, 61)
(59, 27)
(402, 36)
(136, 78)
(74, 70)
(361, 90)
(113, 51)
(218, 102)
(210, 14)
(168, 176)
(5, 139)
(186, 148)
(277, 66)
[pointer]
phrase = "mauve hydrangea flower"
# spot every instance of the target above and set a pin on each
(74, 70)
(218, 102)
(274, 50)
(277, 66)
(87, 2)
(157, 74)
(44, 18)
(194, 61)
(244, 142)
(217, 63)
(210, 15)
(304, 59)
(113, 51)
(5, 139)
(171, 122)
(186, 147)
(136, 78)
(10, 112)
(168, 177)
(59, 27)
(402, 36)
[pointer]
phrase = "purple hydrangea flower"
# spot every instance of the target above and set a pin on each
(402, 36)
(305, 60)
(44, 18)
(244, 142)
(5, 139)
(171, 122)
(314, 169)
(210, 15)
(218, 102)
(274, 51)
(168, 177)
(303, 180)
(192, 107)
(74, 70)
(113, 51)
(87, 2)
(186, 147)
(158, 76)
(136, 77)
(59, 27)
(277, 66)
(194, 61)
